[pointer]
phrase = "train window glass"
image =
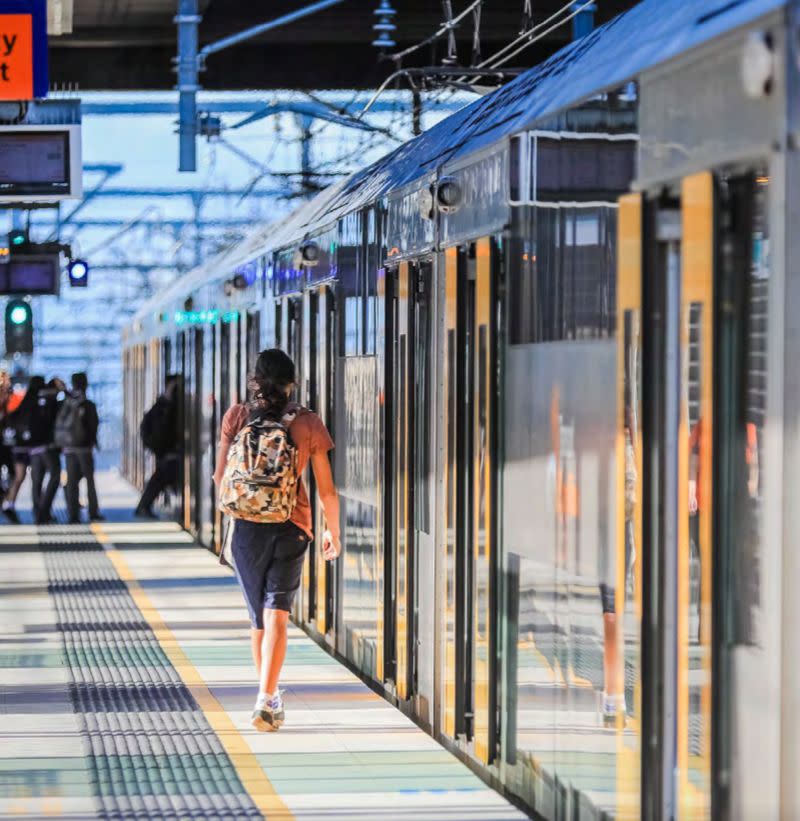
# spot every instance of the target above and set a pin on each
(373, 262)
(746, 260)
(563, 280)
(350, 288)
(422, 400)
(350, 300)
(578, 167)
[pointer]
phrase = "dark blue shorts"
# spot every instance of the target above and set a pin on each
(268, 559)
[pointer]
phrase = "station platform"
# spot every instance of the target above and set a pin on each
(126, 688)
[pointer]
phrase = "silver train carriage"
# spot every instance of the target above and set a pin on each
(555, 339)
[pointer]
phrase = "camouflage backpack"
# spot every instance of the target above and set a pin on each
(261, 476)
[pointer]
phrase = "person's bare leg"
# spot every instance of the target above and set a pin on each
(273, 651)
(20, 472)
(611, 655)
(256, 639)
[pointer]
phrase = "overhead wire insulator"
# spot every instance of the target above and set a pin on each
(384, 26)
(452, 51)
(476, 36)
(527, 16)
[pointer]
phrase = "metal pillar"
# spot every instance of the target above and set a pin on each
(416, 112)
(188, 21)
(305, 122)
(583, 21)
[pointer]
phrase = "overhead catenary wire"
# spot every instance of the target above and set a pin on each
(441, 32)
(534, 34)
(499, 58)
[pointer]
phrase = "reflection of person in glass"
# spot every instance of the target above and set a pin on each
(696, 507)
(613, 664)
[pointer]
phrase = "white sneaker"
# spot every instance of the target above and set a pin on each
(268, 714)
(614, 706)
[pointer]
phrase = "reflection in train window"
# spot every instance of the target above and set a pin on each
(562, 274)
(349, 296)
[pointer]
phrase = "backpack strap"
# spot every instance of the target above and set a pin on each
(291, 413)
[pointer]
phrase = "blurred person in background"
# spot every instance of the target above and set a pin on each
(17, 436)
(76, 434)
(45, 459)
(6, 456)
(163, 437)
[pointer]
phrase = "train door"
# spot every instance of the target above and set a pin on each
(222, 394)
(307, 395)
(186, 367)
(704, 300)
(408, 410)
(316, 393)
(196, 432)
(290, 323)
(468, 576)
(253, 344)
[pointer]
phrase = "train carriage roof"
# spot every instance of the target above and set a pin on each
(648, 34)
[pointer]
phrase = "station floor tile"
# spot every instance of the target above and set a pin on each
(344, 752)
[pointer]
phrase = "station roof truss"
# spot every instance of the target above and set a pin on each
(132, 45)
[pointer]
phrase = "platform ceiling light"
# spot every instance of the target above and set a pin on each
(384, 26)
(78, 272)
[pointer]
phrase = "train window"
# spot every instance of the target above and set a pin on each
(358, 263)
(373, 263)
(349, 293)
(562, 265)
(422, 276)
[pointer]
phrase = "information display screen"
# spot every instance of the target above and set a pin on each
(34, 162)
(31, 275)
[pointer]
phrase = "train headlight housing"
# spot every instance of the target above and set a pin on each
(449, 195)
(309, 254)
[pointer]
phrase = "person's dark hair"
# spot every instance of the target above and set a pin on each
(80, 382)
(35, 386)
(274, 370)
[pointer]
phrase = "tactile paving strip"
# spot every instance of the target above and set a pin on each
(153, 754)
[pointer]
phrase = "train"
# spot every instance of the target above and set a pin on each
(555, 340)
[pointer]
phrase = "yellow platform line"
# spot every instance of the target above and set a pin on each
(250, 772)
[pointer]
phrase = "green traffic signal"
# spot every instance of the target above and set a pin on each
(19, 315)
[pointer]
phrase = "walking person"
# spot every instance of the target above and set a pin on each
(45, 458)
(6, 456)
(161, 434)
(76, 435)
(17, 434)
(265, 445)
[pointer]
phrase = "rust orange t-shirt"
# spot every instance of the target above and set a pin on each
(309, 435)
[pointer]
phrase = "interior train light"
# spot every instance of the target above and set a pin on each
(449, 195)
(757, 65)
